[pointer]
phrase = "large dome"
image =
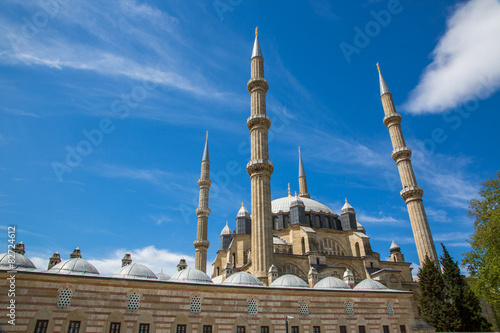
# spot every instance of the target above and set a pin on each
(74, 266)
(283, 205)
(192, 275)
(331, 283)
(135, 271)
(289, 281)
(243, 279)
(21, 262)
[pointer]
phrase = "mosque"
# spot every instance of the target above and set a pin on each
(289, 265)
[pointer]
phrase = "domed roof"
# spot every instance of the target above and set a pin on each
(348, 273)
(243, 212)
(243, 279)
(394, 247)
(369, 284)
(74, 266)
(135, 271)
(192, 275)
(296, 201)
(21, 262)
(283, 205)
(162, 276)
(347, 208)
(226, 231)
(331, 283)
(289, 281)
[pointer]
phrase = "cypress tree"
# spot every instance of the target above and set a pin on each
(430, 297)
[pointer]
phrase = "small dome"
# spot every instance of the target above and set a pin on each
(162, 276)
(394, 247)
(135, 271)
(289, 281)
(226, 231)
(21, 262)
(331, 283)
(369, 284)
(74, 266)
(243, 212)
(283, 205)
(243, 279)
(347, 208)
(191, 275)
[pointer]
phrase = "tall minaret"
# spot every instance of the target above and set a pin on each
(260, 168)
(302, 180)
(411, 192)
(201, 243)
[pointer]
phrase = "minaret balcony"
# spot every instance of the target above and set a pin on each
(260, 166)
(257, 83)
(204, 182)
(203, 211)
(260, 120)
(411, 193)
(201, 244)
(399, 154)
(392, 118)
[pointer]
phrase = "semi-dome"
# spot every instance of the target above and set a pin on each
(74, 266)
(283, 205)
(369, 284)
(226, 230)
(289, 281)
(331, 283)
(243, 279)
(191, 275)
(135, 271)
(21, 262)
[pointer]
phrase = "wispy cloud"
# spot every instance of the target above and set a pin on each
(380, 219)
(465, 64)
(153, 176)
(160, 219)
(18, 112)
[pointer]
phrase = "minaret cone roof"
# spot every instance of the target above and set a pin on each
(383, 86)
(302, 173)
(256, 46)
(205, 152)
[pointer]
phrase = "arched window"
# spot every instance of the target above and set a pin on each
(358, 252)
(308, 219)
(64, 300)
(317, 221)
(303, 245)
(286, 220)
(304, 311)
(217, 271)
(349, 309)
(252, 307)
(133, 302)
(275, 223)
(195, 306)
(234, 260)
(390, 309)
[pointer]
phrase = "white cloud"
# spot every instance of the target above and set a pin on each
(466, 60)
(380, 219)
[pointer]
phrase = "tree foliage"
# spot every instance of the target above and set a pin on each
(483, 261)
(446, 300)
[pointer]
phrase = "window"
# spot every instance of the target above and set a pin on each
(304, 311)
(195, 304)
(143, 328)
(114, 327)
(361, 329)
(41, 326)
(240, 329)
(252, 307)
(295, 329)
(181, 328)
(402, 328)
(74, 327)
(390, 309)
(133, 302)
(64, 298)
(264, 329)
(343, 329)
(349, 309)
(207, 328)
(316, 329)
(386, 329)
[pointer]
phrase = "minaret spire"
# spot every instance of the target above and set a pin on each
(201, 243)
(411, 192)
(260, 168)
(302, 179)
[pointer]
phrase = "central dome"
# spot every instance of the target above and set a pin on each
(283, 205)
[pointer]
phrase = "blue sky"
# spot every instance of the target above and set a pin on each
(133, 86)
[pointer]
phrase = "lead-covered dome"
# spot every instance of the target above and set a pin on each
(289, 281)
(283, 205)
(369, 284)
(74, 266)
(21, 262)
(331, 283)
(135, 271)
(243, 279)
(191, 275)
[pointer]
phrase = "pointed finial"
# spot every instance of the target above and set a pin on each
(378, 67)
(256, 52)
(345, 200)
(295, 193)
(207, 134)
(289, 190)
(383, 86)
(299, 150)
(242, 204)
(256, 30)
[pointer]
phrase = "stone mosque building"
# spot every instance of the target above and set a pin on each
(289, 265)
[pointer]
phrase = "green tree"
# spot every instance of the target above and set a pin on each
(431, 297)
(483, 261)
